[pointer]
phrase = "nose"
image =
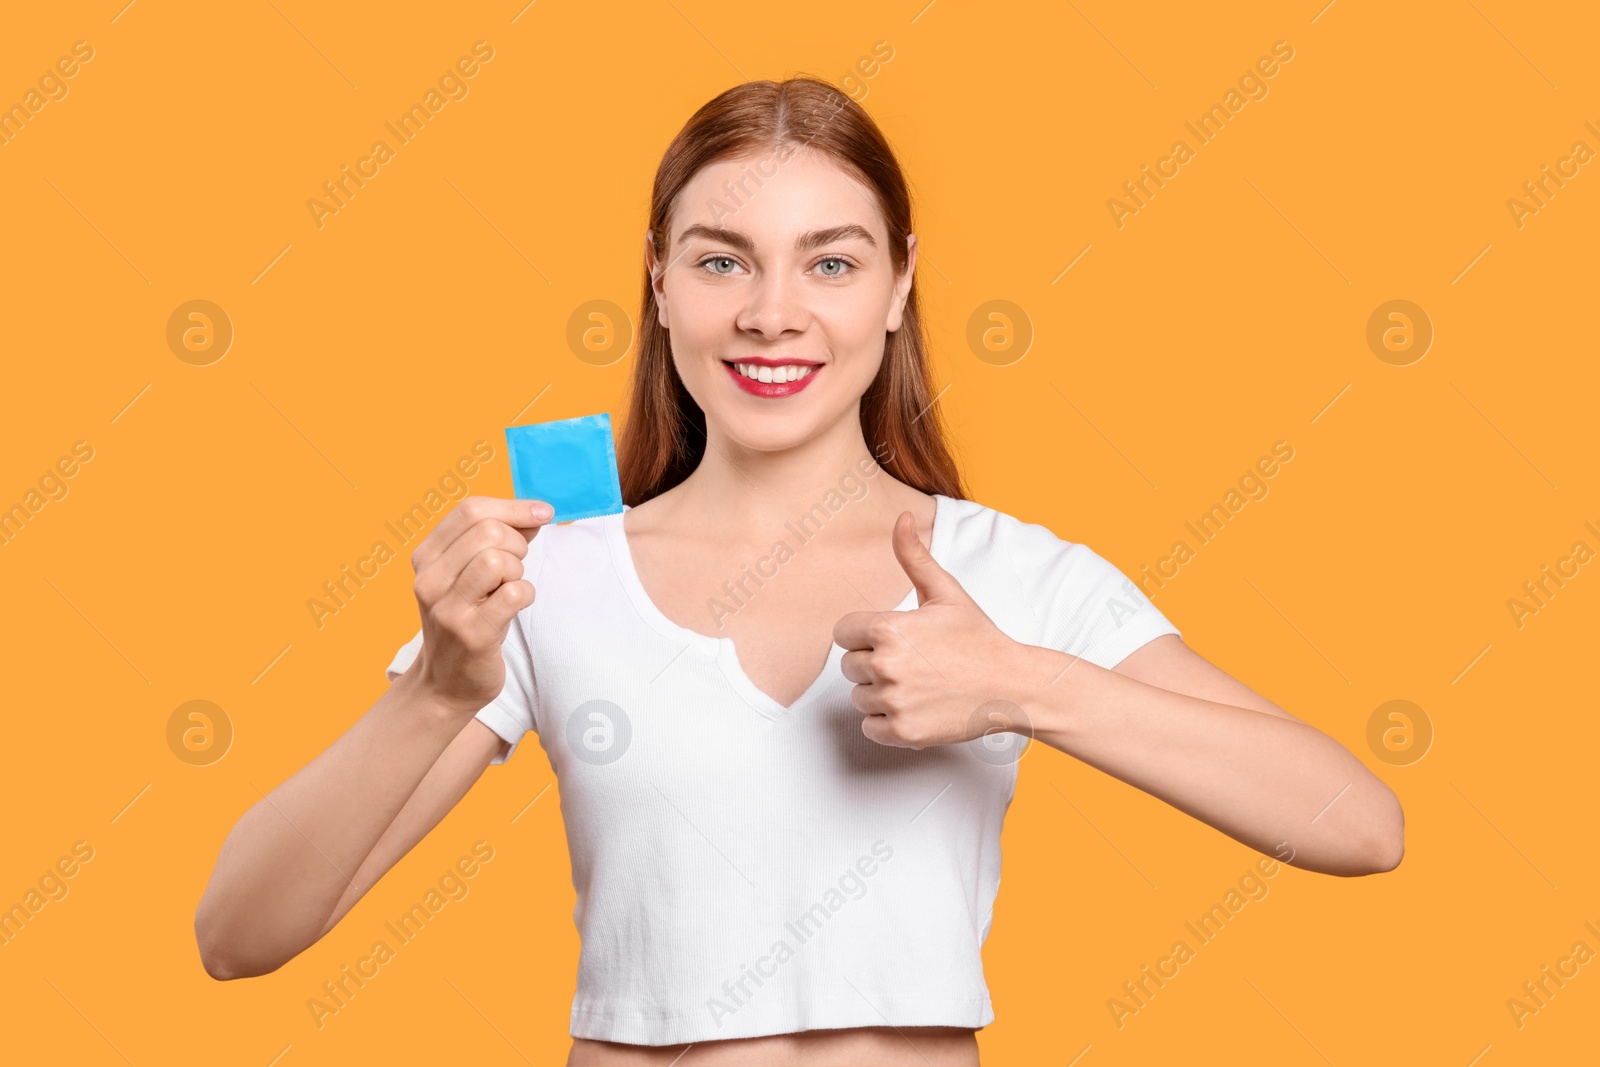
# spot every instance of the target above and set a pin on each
(775, 305)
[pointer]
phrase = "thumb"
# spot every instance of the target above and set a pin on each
(932, 582)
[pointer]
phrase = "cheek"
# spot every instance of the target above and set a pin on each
(701, 319)
(855, 335)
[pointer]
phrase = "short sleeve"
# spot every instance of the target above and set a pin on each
(1086, 606)
(511, 714)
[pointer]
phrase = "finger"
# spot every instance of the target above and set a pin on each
(504, 603)
(481, 579)
(931, 581)
(857, 667)
(525, 516)
(490, 533)
(876, 728)
(865, 629)
(445, 572)
(486, 573)
(485, 624)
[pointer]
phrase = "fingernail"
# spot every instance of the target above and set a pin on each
(542, 511)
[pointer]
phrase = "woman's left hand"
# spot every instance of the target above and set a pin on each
(940, 674)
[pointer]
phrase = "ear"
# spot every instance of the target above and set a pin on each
(657, 277)
(902, 286)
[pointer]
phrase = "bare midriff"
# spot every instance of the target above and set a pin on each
(887, 1046)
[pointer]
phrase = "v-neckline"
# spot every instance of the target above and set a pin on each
(722, 648)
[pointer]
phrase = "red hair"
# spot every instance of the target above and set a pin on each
(664, 435)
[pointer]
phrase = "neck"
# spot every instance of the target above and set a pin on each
(832, 479)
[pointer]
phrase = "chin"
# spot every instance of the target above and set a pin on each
(771, 435)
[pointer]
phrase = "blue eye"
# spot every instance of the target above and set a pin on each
(839, 260)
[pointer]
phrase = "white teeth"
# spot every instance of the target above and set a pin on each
(789, 372)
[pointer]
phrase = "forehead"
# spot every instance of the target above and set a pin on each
(771, 198)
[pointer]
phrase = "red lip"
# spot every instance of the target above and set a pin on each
(770, 390)
(763, 361)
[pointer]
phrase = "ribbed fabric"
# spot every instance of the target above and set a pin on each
(743, 868)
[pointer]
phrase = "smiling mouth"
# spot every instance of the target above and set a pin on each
(772, 383)
(788, 372)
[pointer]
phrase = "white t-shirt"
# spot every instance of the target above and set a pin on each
(743, 868)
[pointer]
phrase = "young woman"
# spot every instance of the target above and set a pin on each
(785, 690)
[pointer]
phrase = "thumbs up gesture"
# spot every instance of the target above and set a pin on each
(922, 676)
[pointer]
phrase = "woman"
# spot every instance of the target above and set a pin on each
(784, 692)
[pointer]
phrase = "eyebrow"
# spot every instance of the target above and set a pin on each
(805, 242)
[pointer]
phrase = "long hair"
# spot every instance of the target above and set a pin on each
(664, 435)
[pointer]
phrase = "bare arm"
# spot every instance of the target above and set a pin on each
(302, 856)
(1173, 724)
(456, 771)
(306, 852)
(1166, 721)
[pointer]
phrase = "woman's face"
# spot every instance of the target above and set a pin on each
(791, 277)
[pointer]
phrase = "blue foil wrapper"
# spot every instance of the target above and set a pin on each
(571, 464)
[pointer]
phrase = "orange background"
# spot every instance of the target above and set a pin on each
(1229, 313)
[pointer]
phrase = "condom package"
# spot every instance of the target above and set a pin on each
(570, 464)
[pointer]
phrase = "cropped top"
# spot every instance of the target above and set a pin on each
(744, 868)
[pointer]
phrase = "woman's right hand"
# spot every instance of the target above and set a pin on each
(469, 589)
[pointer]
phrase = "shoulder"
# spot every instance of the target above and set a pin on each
(567, 541)
(1054, 574)
(975, 528)
(1001, 555)
(1081, 602)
